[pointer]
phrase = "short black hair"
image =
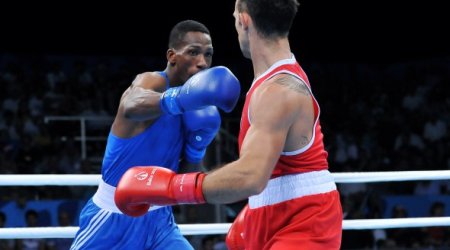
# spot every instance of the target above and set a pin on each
(272, 18)
(180, 29)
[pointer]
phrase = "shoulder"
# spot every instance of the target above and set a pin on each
(290, 83)
(150, 80)
(283, 94)
(283, 88)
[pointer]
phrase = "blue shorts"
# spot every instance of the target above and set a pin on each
(102, 228)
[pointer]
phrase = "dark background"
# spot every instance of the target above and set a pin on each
(371, 31)
(363, 59)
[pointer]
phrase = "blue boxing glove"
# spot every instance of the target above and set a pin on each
(201, 127)
(215, 86)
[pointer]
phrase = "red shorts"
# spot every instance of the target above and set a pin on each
(301, 211)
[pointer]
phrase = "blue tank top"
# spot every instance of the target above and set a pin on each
(159, 145)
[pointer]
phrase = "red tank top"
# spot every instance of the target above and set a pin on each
(313, 156)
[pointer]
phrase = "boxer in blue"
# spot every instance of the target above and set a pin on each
(163, 118)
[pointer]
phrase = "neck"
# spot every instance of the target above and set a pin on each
(173, 77)
(265, 53)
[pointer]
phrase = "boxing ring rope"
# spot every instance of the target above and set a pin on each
(222, 228)
(93, 180)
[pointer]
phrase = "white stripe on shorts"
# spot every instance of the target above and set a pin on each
(94, 224)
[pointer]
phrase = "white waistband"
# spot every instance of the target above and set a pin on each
(104, 198)
(289, 187)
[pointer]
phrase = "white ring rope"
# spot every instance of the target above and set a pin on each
(93, 180)
(388, 176)
(50, 179)
(222, 228)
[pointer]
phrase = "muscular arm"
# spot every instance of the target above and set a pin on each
(139, 105)
(274, 108)
(140, 101)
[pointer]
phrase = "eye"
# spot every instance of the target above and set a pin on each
(208, 54)
(193, 52)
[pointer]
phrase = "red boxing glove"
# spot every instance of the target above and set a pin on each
(235, 236)
(141, 187)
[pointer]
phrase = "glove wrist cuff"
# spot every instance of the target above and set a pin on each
(187, 188)
(168, 102)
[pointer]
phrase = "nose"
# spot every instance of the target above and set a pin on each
(201, 63)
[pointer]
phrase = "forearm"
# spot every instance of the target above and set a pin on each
(141, 104)
(231, 183)
(249, 174)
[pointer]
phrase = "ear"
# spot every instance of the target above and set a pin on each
(244, 20)
(171, 56)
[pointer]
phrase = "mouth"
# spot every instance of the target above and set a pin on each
(195, 72)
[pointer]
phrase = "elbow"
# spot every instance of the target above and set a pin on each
(138, 113)
(133, 112)
(255, 185)
(260, 186)
(254, 179)
(128, 112)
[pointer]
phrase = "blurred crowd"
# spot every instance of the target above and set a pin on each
(375, 117)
